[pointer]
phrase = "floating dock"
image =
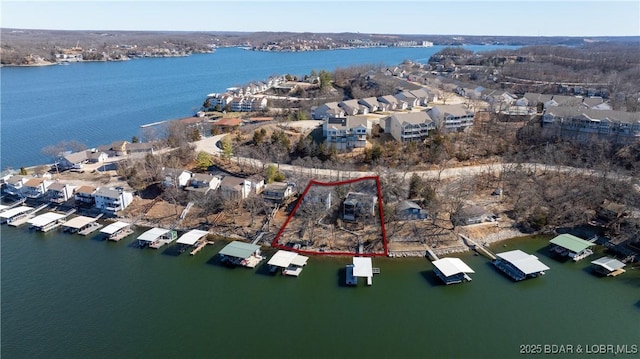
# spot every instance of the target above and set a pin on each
(117, 230)
(567, 245)
(362, 267)
(82, 225)
(519, 265)
(156, 237)
(194, 238)
(452, 270)
(16, 214)
(47, 221)
(608, 266)
(240, 253)
(290, 263)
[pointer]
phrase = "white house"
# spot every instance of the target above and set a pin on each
(203, 182)
(175, 177)
(451, 117)
(59, 192)
(111, 200)
(35, 187)
(234, 188)
(13, 185)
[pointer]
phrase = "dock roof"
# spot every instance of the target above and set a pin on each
(571, 242)
(114, 227)
(14, 211)
(153, 234)
(45, 219)
(79, 222)
(527, 263)
(191, 237)
(362, 267)
(452, 266)
(239, 249)
(284, 259)
(608, 263)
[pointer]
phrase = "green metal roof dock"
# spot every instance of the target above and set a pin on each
(571, 246)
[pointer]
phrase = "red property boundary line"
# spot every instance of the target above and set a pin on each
(275, 244)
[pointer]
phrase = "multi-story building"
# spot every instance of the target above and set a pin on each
(451, 117)
(410, 126)
(586, 124)
(112, 200)
(346, 132)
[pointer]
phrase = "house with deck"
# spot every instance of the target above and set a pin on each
(111, 200)
(452, 270)
(13, 185)
(584, 125)
(35, 187)
(84, 195)
(409, 126)
(346, 132)
(59, 192)
(277, 192)
(568, 245)
(203, 183)
(451, 117)
(358, 205)
(519, 265)
(241, 254)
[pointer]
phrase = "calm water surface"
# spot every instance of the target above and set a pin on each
(68, 296)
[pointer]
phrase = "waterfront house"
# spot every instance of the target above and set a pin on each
(346, 132)
(242, 254)
(567, 245)
(116, 148)
(117, 230)
(156, 237)
(519, 265)
(59, 192)
(410, 126)
(140, 149)
(203, 183)
(112, 200)
(409, 210)
(362, 267)
(469, 215)
(452, 270)
(290, 263)
(277, 192)
(608, 266)
(35, 187)
(84, 195)
(47, 221)
(234, 188)
(75, 160)
(13, 185)
(172, 177)
(451, 117)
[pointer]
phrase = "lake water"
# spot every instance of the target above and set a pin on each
(97, 103)
(68, 296)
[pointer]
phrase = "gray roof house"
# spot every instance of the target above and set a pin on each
(410, 126)
(371, 103)
(409, 210)
(451, 117)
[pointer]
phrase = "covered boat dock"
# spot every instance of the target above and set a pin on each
(156, 237)
(81, 225)
(567, 245)
(519, 265)
(13, 215)
(608, 266)
(117, 230)
(194, 238)
(362, 267)
(290, 262)
(240, 253)
(47, 221)
(452, 270)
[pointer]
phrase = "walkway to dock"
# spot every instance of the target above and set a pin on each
(432, 254)
(478, 248)
(199, 247)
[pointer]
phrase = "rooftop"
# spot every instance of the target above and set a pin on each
(452, 266)
(191, 237)
(571, 242)
(527, 263)
(239, 249)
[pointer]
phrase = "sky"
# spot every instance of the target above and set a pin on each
(427, 17)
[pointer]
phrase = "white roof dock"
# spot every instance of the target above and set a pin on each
(608, 263)
(362, 267)
(114, 227)
(284, 259)
(45, 219)
(452, 266)
(15, 211)
(3, 207)
(79, 222)
(192, 237)
(153, 234)
(527, 263)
